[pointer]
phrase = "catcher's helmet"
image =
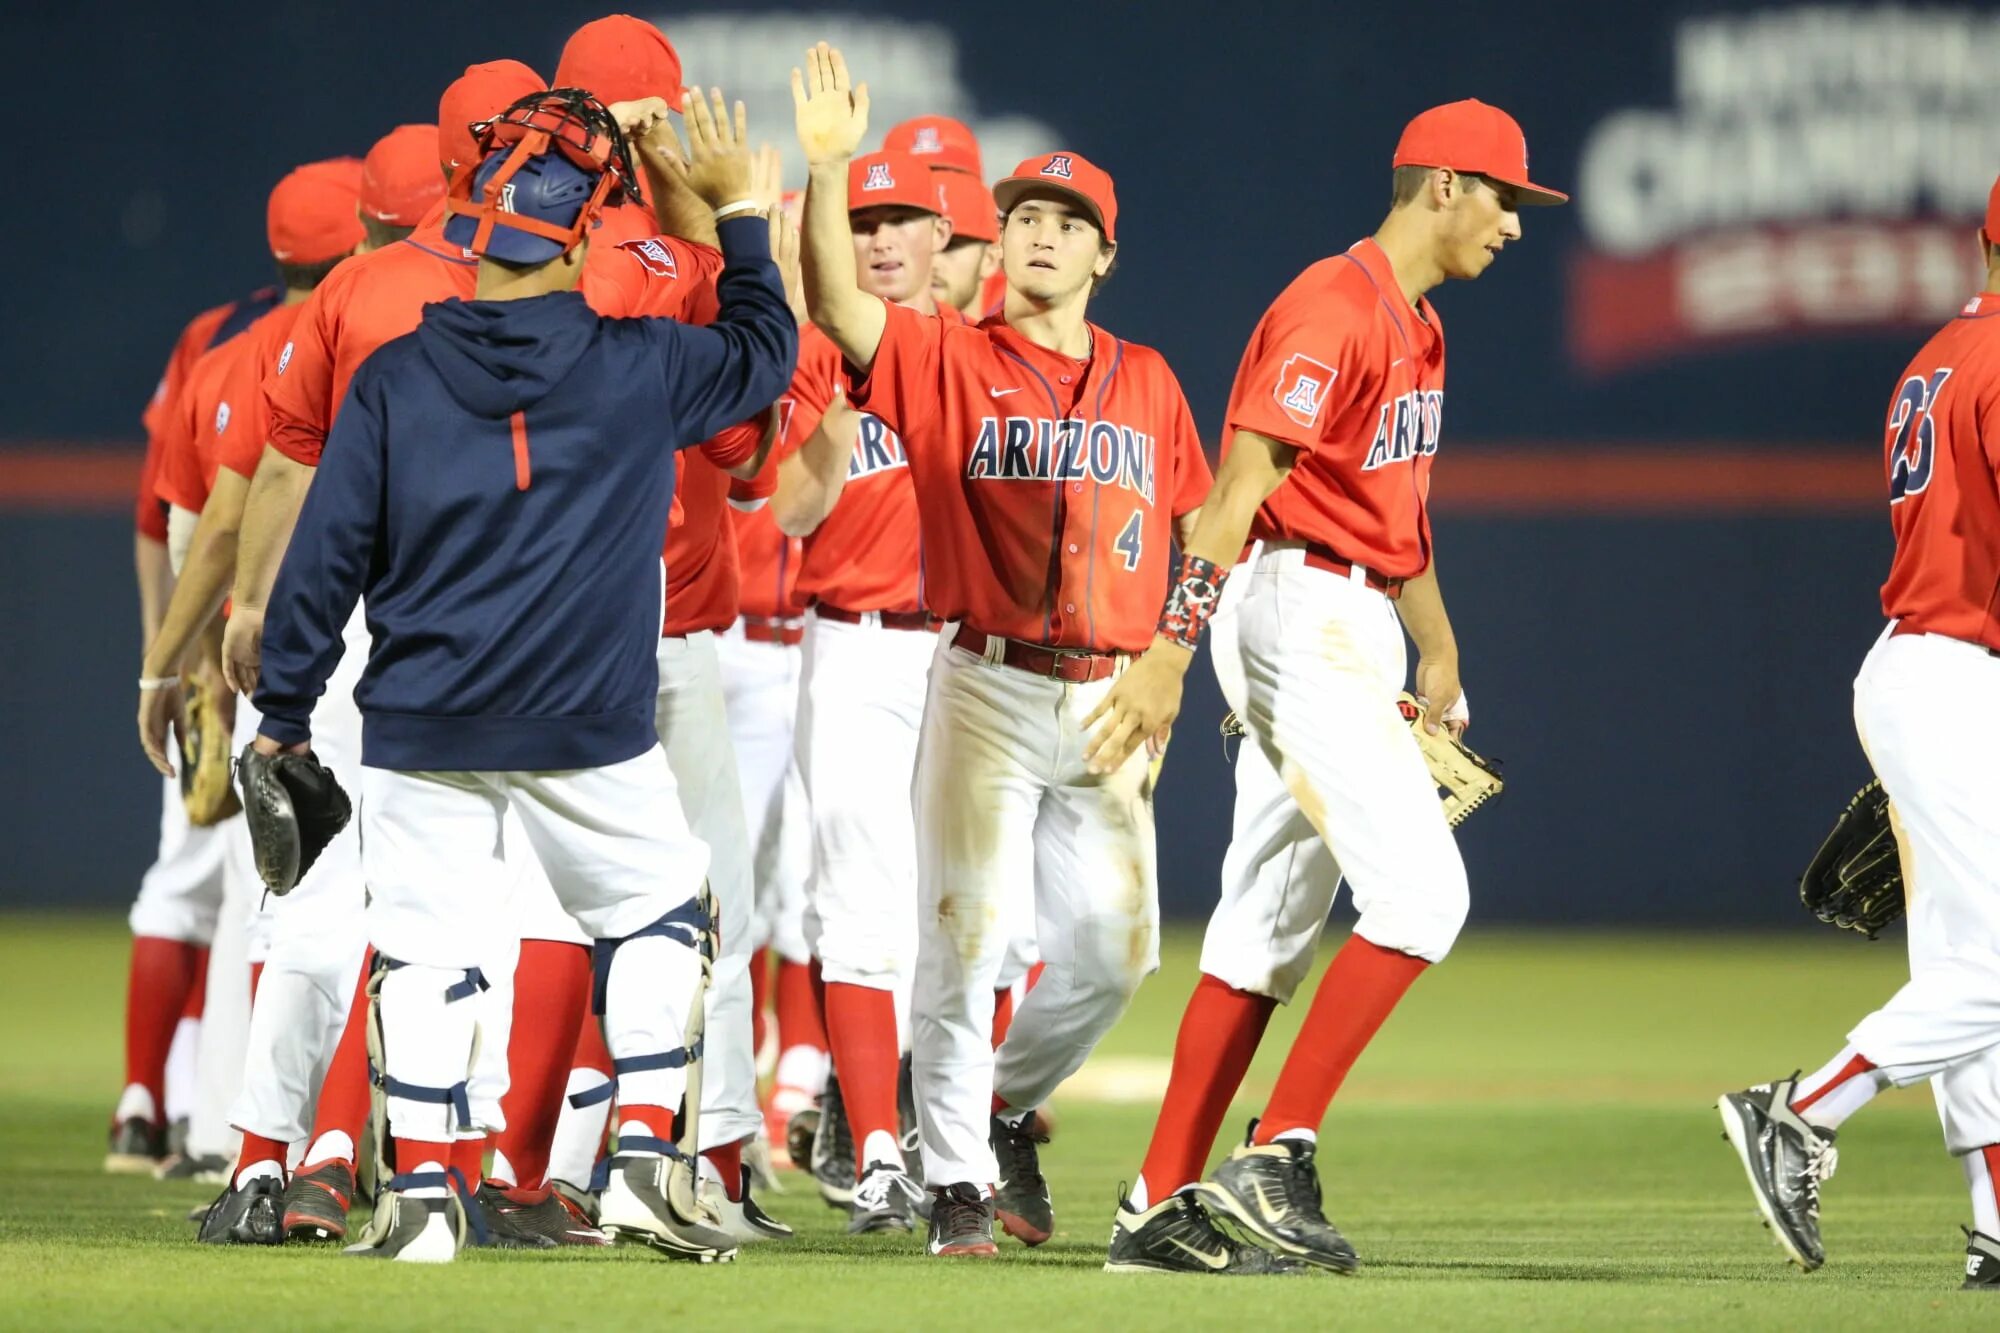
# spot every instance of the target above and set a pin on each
(551, 161)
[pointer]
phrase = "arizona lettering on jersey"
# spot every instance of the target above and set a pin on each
(1941, 466)
(876, 449)
(1345, 371)
(1050, 522)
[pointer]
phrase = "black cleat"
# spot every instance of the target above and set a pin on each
(247, 1216)
(1273, 1193)
(832, 1160)
(498, 1224)
(316, 1202)
(1177, 1235)
(885, 1200)
(544, 1212)
(1021, 1195)
(137, 1146)
(582, 1202)
(1982, 1262)
(961, 1222)
(1786, 1160)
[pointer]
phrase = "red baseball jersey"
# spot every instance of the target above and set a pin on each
(220, 420)
(1046, 486)
(206, 331)
(1942, 454)
(1341, 368)
(767, 565)
(866, 555)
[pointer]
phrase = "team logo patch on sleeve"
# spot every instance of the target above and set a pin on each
(655, 258)
(1302, 386)
(284, 358)
(221, 417)
(878, 177)
(1058, 166)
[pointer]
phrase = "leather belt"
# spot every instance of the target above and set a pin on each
(1073, 666)
(771, 629)
(1326, 558)
(1902, 627)
(920, 620)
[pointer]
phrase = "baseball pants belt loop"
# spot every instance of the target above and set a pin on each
(904, 620)
(773, 629)
(686, 923)
(1072, 666)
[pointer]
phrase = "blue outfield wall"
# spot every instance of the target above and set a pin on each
(1671, 698)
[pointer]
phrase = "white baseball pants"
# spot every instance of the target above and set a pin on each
(181, 892)
(760, 692)
(1007, 814)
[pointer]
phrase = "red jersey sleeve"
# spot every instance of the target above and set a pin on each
(906, 381)
(149, 516)
(753, 491)
(735, 446)
(658, 275)
(240, 438)
(298, 384)
(1300, 370)
(180, 480)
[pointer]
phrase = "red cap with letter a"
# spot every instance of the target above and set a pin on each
(1074, 175)
(1475, 138)
(940, 140)
(884, 180)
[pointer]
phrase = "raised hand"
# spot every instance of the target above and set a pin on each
(785, 251)
(767, 177)
(719, 155)
(831, 112)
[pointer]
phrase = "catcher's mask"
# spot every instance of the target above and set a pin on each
(549, 163)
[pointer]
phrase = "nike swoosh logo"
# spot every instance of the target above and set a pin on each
(1397, 362)
(1207, 1260)
(1264, 1206)
(1002, 393)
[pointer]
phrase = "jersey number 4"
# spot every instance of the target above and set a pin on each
(1913, 434)
(1128, 543)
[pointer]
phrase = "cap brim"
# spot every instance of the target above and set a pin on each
(1008, 192)
(507, 244)
(1529, 195)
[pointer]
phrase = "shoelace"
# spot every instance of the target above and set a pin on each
(1822, 1158)
(878, 1188)
(1022, 1140)
(956, 1216)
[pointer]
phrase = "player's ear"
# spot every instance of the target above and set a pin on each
(989, 263)
(943, 226)
(1107, 255)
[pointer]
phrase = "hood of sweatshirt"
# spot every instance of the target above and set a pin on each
(502, 357)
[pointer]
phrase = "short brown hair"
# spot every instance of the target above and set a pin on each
(1408, 182)
(382, 234)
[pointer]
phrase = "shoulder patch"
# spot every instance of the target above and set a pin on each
(221, 417)
(284, 358)
(1301, 388)
(654, 257)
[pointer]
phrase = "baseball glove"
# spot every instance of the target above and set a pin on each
(294, 808)
(1465, 781)
(1855, 881)
(204, 741)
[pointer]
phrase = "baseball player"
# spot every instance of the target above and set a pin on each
(1942, 642)
(970, 260)
(845, 488)
(517, 413)
(1051, 460)
(1334, 423)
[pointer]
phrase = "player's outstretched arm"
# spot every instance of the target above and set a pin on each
(1144, 701)
(678, 209)
(1422, 608)
(270, 510)
(832, 117)
(812, 478)
(197, 596)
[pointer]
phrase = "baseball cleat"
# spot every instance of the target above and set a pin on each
(1786, 1160)
(833, 1149)
(491, 1220)
(246, 1216)
(800, 1131)
(961, 1222)
(1177, 1235)
(1272, 1192)
(582, 1202)
(742, 1220)
(208, 1170)
(763, 1172)
(136, 1147)
(543, 1212)
(1021, 1195)
(413, 1231)
(1982, 1262)
(651, 1201)
(885, 1200)
(316, 1202)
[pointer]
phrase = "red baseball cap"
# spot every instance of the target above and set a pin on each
(882, 180)
(311, 216)
(400, 178)
(621, 59)
(1993, 213)
(942, 141)
(481, 93)
(1473, 137)
(1073, 174)
(967, 203)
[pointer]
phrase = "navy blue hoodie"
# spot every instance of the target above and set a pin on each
(496, 486)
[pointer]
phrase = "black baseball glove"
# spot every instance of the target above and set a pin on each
(1856, 880)
(294, 808)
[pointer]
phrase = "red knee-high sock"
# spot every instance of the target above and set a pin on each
(551, 994)
(799, 1022)
(162, 973)
(1003, 1014)
(343, 1094)
(257, 1149)
(1035, 975)
(727, 1159)
(861, 1031)
(1219, 1033)
(412, 1155)
(760, 997)
(1361, 986)
(197, 998)
(468, 1158)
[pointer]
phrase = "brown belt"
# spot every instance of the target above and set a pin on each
(1073, 666)
(922, 620)
(770, 629)
(1902, 627)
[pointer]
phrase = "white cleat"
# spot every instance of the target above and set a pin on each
(412, 1231)
(742, 1220)
(651, 1201)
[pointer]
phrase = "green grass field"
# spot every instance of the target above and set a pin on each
(1530, 1143)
